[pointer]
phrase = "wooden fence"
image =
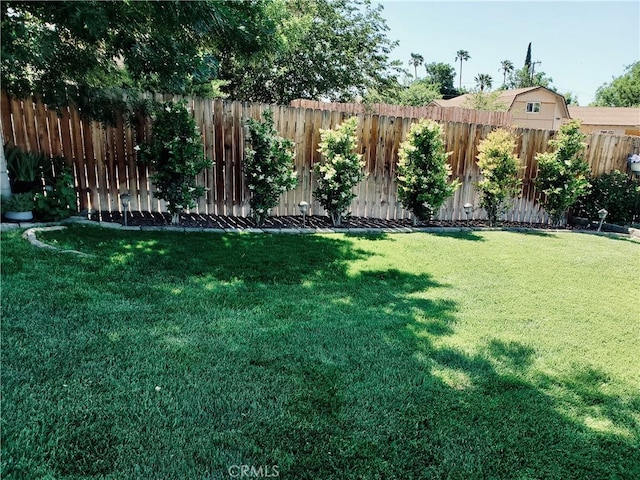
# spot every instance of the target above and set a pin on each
(434, 112)
(104, 161)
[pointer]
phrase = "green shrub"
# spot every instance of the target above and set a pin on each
(499, 168)
(60, 201)
(269, 166)
(616, 193)
(563, 175)
(423, 171)
(175, 155)
(341, 169)
(18, 202)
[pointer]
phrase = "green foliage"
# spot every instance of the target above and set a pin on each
(269, 166)
(563, 175)
(175, 155)
(23, 166)
(483, 80)
(60, 202)
(522, 79)
(341, 169)
(18, 202)
(423, 170)
(485, 101)
(417, 94)
(331, 49)
(623, 91)
(616, 193)
(499, 167)
(442, 74)
(80, 52)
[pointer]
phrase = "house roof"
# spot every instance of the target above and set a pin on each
(506, 96)
(606, 115)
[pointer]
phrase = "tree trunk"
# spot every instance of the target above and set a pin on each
(175, 219)
(336, 218)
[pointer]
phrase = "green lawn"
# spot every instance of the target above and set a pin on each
(415, 356)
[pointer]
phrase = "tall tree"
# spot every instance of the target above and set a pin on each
(443, 75)
(623, 91)
(328, 49)
(416, 61)
(507, 67)
(527, 58)
(483, 80)
(462, 55)
(69, 51)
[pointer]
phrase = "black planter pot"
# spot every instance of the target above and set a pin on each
(23, 186)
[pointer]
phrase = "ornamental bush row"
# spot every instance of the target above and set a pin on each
(423, 180)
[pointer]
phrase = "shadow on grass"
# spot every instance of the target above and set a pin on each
(180, 359)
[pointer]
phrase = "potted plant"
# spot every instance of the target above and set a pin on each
(19, 207)
(634, 162)
(24, 169)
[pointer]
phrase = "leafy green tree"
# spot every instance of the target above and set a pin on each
(563, 175)
(522, 79)
(175, 156)
(485, 101)
(571, 98)
(507, 67)
(269, 166)
(462, 55)
(499, 167)
(332, 49)
(416, 61)
(443, 75)
(483, 80)
(341, 169)
(95, 53)
(417, 93)
(423, 171)
(623, 91)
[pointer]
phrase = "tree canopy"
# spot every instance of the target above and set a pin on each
(623, 91)
(329, 49)
(97, 53)
(68, 50)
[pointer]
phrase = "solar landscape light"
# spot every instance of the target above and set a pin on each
(304, 209)
(125, 198)
(468, 210)
(602, 213)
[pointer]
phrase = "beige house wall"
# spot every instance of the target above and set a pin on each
(611, 129)
(551, 114)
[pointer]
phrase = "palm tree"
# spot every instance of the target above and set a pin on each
(506, 67)
(462, 55)
(483, 80)
(416, 61)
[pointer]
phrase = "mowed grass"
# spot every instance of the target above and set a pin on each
(416, 356)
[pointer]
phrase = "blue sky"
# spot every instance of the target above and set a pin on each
(581, 44)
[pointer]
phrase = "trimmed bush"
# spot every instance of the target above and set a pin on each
(341, 169)
(563, 175)
(499, 167)
(269, 166)
(423, 171)
(175, 155)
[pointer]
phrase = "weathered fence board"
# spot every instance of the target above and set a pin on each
(104, 158)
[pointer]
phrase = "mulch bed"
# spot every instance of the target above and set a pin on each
(193, 220)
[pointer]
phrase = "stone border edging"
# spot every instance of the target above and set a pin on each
(30, 236)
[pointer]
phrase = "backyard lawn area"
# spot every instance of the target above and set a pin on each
(474, 355)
